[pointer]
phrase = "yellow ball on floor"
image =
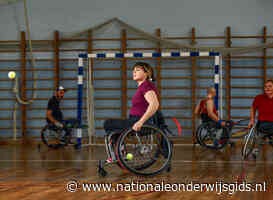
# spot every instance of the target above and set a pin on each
(129, 156)
(12, 75)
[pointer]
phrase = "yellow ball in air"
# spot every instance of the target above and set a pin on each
(12, 75)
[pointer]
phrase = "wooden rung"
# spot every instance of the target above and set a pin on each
(175, 97)
(107, 88)
(239, 117)
(44, 118)
(247, 57)
(240, 107)
(246, 87)
(247, 77)
(107, 108)
(71, 108)
(174, 68)
(242, 97)
(40, 89)
(51, 79)
(141, 49)
(7, 109)
(13, 42)
(196, 37)
(247, 36)
(178, 117)
(184, 68)
(11, 69)
(106, 98)
(104, 118)
(95, 69)
(7, 128)
(245, 67)
(62, 108)
(45, 99)
(177, 77)
(6, 118)
(5, 89)
(207, 77)
(86, 40)
(176, 88)
(29, 60)
(5, 79)
(175, 107)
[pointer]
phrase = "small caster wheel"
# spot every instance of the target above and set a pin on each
(102, 172)
(169, 168)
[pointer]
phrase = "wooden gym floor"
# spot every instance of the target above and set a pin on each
(30, 174)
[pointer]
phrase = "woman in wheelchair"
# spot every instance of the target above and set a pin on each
(139, 143)
(145, 103)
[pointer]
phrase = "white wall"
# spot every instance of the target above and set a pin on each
(175, 17)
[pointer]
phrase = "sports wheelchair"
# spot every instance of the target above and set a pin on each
(150, 149)
(55, 137)
(255, 139)
(214, 136)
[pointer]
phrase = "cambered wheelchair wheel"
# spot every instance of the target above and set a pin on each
(212, 137)
(150, 149)
(249, 143)
(51, 137)
(199, 134)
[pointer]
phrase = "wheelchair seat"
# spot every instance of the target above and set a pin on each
(265, 128)
(52, 127)
(159, 120)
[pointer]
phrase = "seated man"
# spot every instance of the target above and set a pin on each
(207, 110)
(264, 104)
(208, 113)
(54, 115)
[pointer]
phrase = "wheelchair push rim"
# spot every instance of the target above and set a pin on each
(212, 137)
(150, 148)
(249, 143)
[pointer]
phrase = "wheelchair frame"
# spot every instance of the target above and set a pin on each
(116, 157)
(210, 128)
(58, 132)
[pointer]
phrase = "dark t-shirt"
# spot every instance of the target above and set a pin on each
(139, 103)
(53, 104)
(265, 107)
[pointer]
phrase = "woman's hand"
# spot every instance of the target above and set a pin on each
(137, 126)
